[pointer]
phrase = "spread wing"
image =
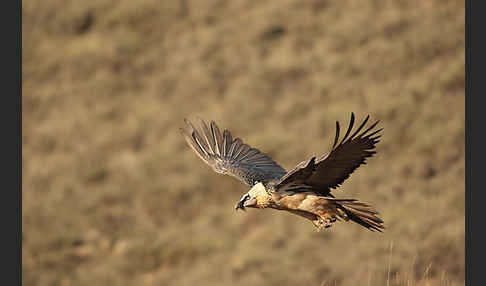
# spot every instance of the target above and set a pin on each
(330, 171)
(230, 156)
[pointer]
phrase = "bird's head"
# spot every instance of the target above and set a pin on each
(257, 197)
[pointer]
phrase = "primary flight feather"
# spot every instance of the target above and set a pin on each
(306, 189)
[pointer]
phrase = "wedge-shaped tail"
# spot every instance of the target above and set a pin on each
(360, 213)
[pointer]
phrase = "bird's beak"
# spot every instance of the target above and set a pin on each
(241, 205)
(245, 202)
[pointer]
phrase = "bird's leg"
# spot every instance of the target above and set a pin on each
(324, 221)
(317, 223)
(329, 219)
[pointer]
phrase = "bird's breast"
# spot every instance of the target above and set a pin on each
(299, 201)
(289, 201)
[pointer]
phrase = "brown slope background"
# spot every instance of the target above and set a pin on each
(113, 196)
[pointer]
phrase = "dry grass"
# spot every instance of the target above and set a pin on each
(113, 196)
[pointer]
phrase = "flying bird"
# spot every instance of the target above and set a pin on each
(306, 189)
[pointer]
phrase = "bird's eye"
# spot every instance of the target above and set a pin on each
(247, 196)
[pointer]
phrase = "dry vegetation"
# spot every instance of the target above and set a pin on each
(113, 196)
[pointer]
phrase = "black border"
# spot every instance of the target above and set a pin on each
(11, 28)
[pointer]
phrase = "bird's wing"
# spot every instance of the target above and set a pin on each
(296, 178)
(332, 169)
(230, 156)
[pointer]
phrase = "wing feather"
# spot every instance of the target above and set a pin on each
(227, 142)
(332, 169)
(209, 140)
(335, 167)
(218, 139)
(230, 156)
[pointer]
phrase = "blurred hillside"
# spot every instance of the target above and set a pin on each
(113, 196)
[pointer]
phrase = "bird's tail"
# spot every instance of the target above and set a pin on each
(360, 213)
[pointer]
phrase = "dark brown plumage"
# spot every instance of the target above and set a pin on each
(332, 169)
(305, 190)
